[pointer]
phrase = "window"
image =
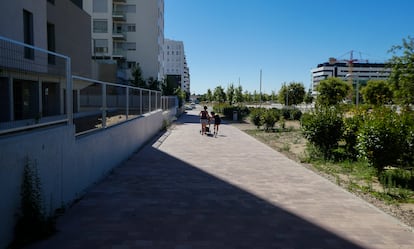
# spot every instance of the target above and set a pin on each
(131, 64)
(28, 34)
(51, 43)
(131, 46)
(131, 27)
(100, 6)
(130, 8)
(100, 26)
(100, 46)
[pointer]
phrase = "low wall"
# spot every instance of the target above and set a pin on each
(67, 165)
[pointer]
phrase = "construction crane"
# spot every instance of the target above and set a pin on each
(350, 75)
(350, 63)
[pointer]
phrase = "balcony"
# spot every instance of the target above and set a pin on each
(119, 53)
(118, 16)
(118, 35)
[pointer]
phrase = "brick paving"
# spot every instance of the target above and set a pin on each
(187, 191)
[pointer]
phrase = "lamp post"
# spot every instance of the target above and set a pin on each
(356, 87)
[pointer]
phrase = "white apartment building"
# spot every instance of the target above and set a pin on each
(128, 33)
(361, 72)
(175, 63)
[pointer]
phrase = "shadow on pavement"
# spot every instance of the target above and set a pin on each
(155, 200)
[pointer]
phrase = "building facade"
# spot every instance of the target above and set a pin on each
(175, 64)
(33, 82)
(128, 33)
(361, 72)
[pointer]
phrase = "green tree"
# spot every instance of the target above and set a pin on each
(402, 71)
(332, 91)
(219, 94)
(256, 96)
(137, 80)
(292, 94)
(308, 97)
(153, 84)
(181, 94)
(247, 96)
(377, 92)
(230, 93)
(167, 88)
(238, 94)
(209, 95)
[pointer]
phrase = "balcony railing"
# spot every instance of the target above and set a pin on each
(119, 16)
(119, 35)
(119, 52)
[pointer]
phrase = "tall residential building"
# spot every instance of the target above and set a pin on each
(361, 72)
(128, 33)
(175, 64)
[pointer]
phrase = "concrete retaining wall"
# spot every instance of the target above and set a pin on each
(67, 165)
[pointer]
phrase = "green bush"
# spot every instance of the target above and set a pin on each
(381, 138)
(32, 224)
(295, 114)
(323, 128)
(256, 116)
(407, 157)
(270, 117)
(291, 113)
(350, 135)
(227, 110)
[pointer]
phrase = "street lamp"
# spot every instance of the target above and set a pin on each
(356, 87)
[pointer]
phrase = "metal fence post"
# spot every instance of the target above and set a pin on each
(149, 100)
(103, 105)
(127, 102)
(69, 93)
(140, 101)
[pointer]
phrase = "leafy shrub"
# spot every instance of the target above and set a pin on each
(295, 114)
(32, 223)
(291, 113)
(323, 128)
(227, 110)
(270, 117)
(381, 138)
(407, 157)
(350, 134)
(256, 116)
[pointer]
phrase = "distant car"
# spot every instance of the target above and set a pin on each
(193, 105)
(187, 107)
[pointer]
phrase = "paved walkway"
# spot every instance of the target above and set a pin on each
(188, 191)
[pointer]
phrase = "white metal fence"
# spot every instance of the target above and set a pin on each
(37, 89)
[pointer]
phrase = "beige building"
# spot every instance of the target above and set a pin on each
(128, 33)
(32, 82)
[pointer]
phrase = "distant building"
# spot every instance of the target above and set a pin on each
(128, 33)
(361, 72)
(32, 83)
(175, 64)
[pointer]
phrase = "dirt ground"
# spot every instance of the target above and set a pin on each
(293, 145)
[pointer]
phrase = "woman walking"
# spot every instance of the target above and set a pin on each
(204, 117)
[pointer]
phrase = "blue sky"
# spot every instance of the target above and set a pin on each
(227, 41)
